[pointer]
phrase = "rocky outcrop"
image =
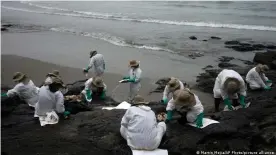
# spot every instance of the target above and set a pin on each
(266, 58)
(226, 65)
(216, 38)
(246, 47)
(193, 38)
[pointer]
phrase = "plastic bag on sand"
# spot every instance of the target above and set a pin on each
(237, 107)
(154, 152)
(50, 118)
(205, 122)
(123, 105)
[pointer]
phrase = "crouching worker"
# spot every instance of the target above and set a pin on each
(173, 85)
(140, 128)
(49, 101)
(49, 77)
(256, 78)
(24, 88)
(228, 85)
(187, 105)
(94, 86)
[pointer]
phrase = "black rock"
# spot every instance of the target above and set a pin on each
(207, 67)
(271, 46)
(7, 25)
(214, 37)
(226, 59)
(259, 46)
(233, 42)
(273, 64)
(4, 29)
(243, 48)
(244, 44)
(265, 58)
(193, 38)
(247, 62)
(204, 40)
(226, 65)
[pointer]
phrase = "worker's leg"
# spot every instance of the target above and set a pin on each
(217, 96)
(123, 132)
(217, 103)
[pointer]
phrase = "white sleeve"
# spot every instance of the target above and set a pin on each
(91, 63)
(224, 95)
(13, 92)
(105, 87)
(171, 105)
(264, 77)
(259, 79)
(59, 102)
(242, 88)
(126, 118)
(166, 92)
(138, 75)
(88, 84)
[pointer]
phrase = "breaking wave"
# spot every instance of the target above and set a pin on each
(111, 39)
(106, 16)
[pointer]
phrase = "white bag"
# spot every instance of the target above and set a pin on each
(123, 105)
(154, 152)
(205, 122)
(50, 118)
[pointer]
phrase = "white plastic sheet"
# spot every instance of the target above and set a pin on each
(155, 152)
(237, 107)
(123, 105)
(50, 118)
(205, 122)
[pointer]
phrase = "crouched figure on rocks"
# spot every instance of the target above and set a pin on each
(94, 86)
(134, 78)
(140, 128)
(256, 78)
(173, 85)
(49, 101)
(188, 105)
(228, 85)
(24, 88)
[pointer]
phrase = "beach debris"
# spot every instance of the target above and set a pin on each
(196, 55)
(193, 38)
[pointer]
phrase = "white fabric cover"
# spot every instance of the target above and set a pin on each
(256, 80)
(219, 90)
(205, 122)
(140, 128)
(26, 91)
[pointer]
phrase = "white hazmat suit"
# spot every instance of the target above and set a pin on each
(97, 64)
(49, 101)
(134, 73)
(27, 92)
(140, 128)
(256, 80)
(192, 113)
(167, 91)
(219, 90)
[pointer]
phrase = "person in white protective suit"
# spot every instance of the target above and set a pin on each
(134, 78)
(188, 105)
(140, 128)
(97, 63)
(49, 101)
(256, 78)
(94, 86)
(228, 85)
(24, 88)
(173, 85)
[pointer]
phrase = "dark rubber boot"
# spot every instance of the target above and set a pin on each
(235, 102)
(217, 102)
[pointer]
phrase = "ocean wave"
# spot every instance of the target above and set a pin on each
(111, 39)
(154, 21)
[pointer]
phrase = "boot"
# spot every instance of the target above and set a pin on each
(217, 102)
(235, 102)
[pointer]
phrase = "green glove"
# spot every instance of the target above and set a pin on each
(199, 120)
(228, 103)
(268, 81)
(66, 113)
(242, 101)
(88, 95)
(126, 77)
(103, 95)
(131, 80)
(165, 101)
(267, 88)
(169, 115)
(4, 95)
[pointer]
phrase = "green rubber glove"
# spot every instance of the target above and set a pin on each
(242, 101)
(267, 88)
(268, 81)
(126, 77)
(103, 95)
(131, 80)
(4, 95)
(66, 113)
(88, 95)
(228, 103)
(169, 115)
(199, 120)
(165, 101)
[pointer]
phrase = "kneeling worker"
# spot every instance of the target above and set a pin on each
(140, 128)
(173, 85)
(188, 105)
(94, 86)
(256, 78)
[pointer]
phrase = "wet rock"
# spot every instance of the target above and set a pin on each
(233, 42)
(226, 65)
(4, 29)
(207, 67)
(7, 25)
(193, 38)
(214, 37)
(226, 59)
(242, 48)
(161, 84)
(204, 40)
(265, 58)
(273, 64)
(271, 46)
(247, 62)
(196, 55)
(259, 46)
